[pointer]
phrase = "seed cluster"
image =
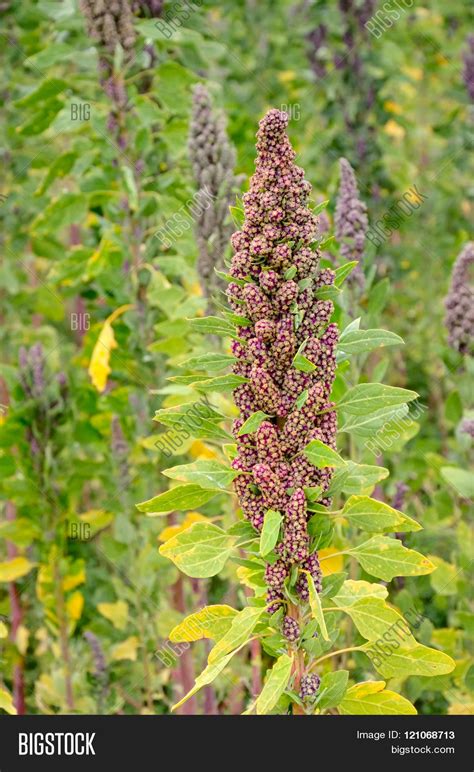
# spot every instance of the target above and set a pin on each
(213, 160)
(309, 686)
(350, 219)
(276, 281)
(110, 23)
(460, 303)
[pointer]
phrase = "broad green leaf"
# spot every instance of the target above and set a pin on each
(213, 325)
(368, 397)
(321, 456)
(206, 474)
(376, 516)
(416, 660)
(180, 498)
(460, 479)
(384, 557)
(354, 589)
(213, 362)
(271, 528)
(374, 618)
(358, 341)
(332, 689)
(200, 551)
(357, 702)
(14, 569)
(275, 684)
(374, 422)
(220, 383)
(238, 633)
(253, 422)
(209, 622)
(6, 702)
(360, 478)
(316, 608)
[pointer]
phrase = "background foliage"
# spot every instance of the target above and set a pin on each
(86, 600)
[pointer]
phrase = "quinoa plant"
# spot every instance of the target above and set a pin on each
(286, 473)
(459, 303)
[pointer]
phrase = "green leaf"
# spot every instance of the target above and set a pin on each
(253, 422)
(316, 608)
(360, 701)
(212, 362)
(275, 684)
(46, 90)
(368, 397)
(319, 207)
(70, 208)
(417, 660)
(321, 456)
(206, 474)
(181, 498)
(239, 632)
(332, 689)
(200, 551)
(220, 383)
(444, 578)
(385, 558)
(358, 341)
(209, 622)
(366, 425)
(376, 516)
(460, 479)
(303, 364)
(353, 590)
(271, 528)
(343, 272)
(213, 325)
(374, 618)
(359, 478)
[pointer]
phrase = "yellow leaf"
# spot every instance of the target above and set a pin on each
(99, 367)
(415, 73)
(210, 622)
(74, 580)
(126, 649)
(286, 76)
(369, 687)
(330, 565)
(21, 639)
(6, 702)
(173, 530)
(394, 130)
(75, 604)
(199, 450)
(117, 613)
(3, 630)
(14, 569)
(392, 107)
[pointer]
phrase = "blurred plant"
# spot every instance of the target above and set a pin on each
(460, 303)
(468, 70)
(213, 161)
(350, 220)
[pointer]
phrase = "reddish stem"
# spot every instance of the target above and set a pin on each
(186, 666)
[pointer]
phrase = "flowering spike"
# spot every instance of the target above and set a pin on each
(459, 303)
(350, 219)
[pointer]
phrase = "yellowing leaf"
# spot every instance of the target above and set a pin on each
(126, 649)
(117, 613)
(72, 581)
(358, 701)
(199, 450)
(6, 702)
(173, 530)
(415, 73)
(74, 605)
(99, 367)
(286, 76)
(21, 639)
(394, 130)
(330, 565)
(3, 630)
(14, 569)
(210, 622)
(369, 687)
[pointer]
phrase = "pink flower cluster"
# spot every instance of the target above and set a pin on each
(276, 278)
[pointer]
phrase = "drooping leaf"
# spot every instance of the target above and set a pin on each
(238, 633)
(99, 367)
(275, 684)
